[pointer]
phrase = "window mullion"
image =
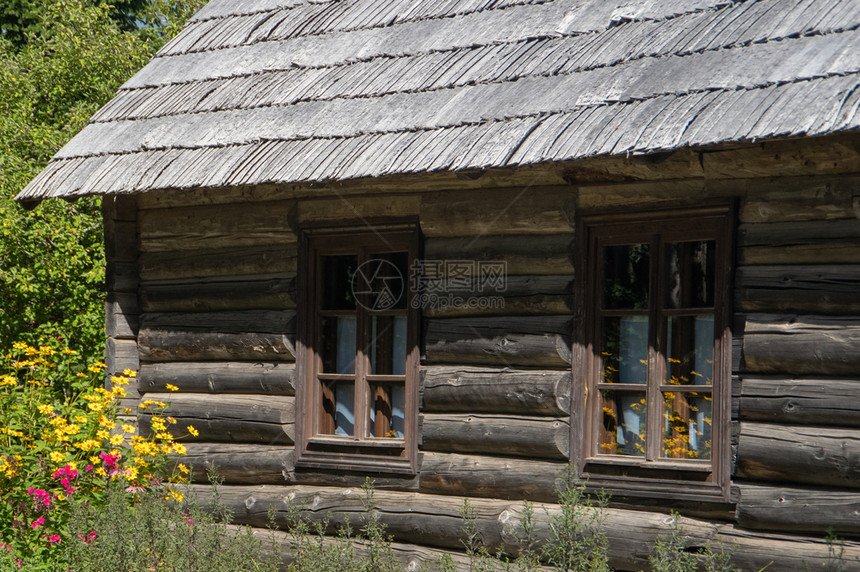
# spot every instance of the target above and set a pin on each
(656, 365)
(362, 364)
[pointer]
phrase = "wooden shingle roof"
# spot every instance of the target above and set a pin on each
(269, 91)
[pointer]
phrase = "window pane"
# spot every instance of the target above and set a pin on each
(690, 351)
(339, 405)
(687, 421)
(625, 277)
(388, 346)
(690, 274)
(338, 344)
(387, 410)
(337, 273)
(625, 349)
(622, 430)
(380, 282)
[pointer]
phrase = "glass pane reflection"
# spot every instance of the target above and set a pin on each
(687, 419)
(625, 349)
(388, 348)
(387, 410)
(626, 276)
(690, 268)
(622, 430)
(690, 341)
(338, 344)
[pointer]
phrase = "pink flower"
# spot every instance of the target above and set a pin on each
(89, 537)
(54, 538)
(89, 468)
(38, 522)
(109, 460)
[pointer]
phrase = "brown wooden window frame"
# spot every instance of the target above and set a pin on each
(648, 472)
(316, 445)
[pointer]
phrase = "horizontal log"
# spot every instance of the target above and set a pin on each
(120, 355)
(824, 401)
(221, 336)
(800, 199)
(258, 321)
(534, 437)
(214, 262)
(490, 477)
(797, 156)
(246, 293)
(805, 455)
(482, 390)
(524, 295)
(160, 346)
(540, 254)
(266, 419)
(821, 289)
(435, 520)
(215, 226)
(523, 210)
(796, 345)
(219, 377)
(799, 510)
(243, 463)
(336, 209)
(813, 242)
(542, 341)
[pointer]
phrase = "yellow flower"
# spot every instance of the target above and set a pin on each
(58, 421)
(88, 445)
(164, 436)
(103, 434)
(99, 364)
(194, 432)
(56, 457)
(119, 380)
(71, 429)
(7, 380)
(126, 410)
(105, 421)
(129, 372)
(128, 428)
(94, 369)
(174, 495)
(130, 473)
(19, 346)
(61, 496)
(81, 374)
(96, 406)
(117, 440)
(46, 409)
(158, 424)
(69, 352)
(156, 403)
(118, 391)
(179, 449)
(171, 387)
(182, 468)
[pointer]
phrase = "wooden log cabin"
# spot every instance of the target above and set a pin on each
(456, 245)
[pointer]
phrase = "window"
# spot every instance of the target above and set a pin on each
(358, 358)
(653, 353)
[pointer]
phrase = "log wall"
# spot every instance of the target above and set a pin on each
(204, 299)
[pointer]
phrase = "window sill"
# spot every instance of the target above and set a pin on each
(336, 441)
(662, 464)
(348, 454)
